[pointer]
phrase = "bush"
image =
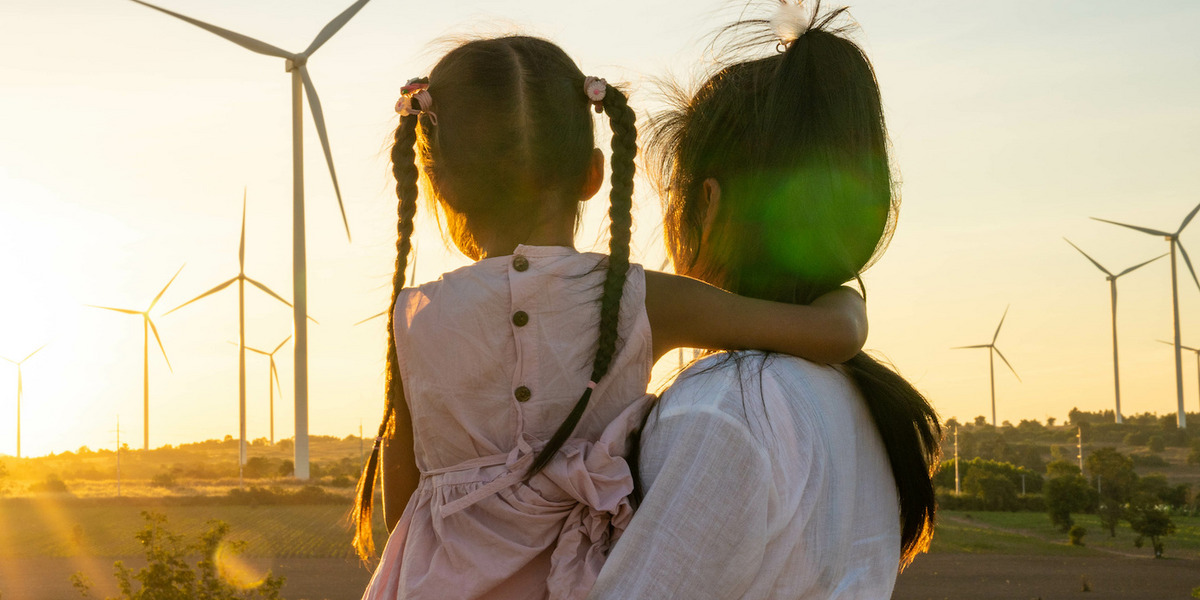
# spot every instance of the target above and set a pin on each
(1137, 438)
(163, 480)
(1156, 444)
(1076, 535)
(1194, 456)
(1149, 460)
(1150, 521)
(52, 485)
(169, 572)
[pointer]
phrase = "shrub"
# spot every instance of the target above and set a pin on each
(1150, 521)
(163, 480)
(1156, 444)
(52, 485)
(1076, 535)
(1194, 456)
(170, 574)
(286, 469)
(1148, 460)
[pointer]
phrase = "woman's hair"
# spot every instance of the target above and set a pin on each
(509, 130)
(797, 143)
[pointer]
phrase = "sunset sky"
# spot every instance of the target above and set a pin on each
(127, 138)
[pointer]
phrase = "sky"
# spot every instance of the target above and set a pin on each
(127, 139)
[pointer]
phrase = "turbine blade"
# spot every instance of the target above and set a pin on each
(1188, 219)
(268, 290)
(310, 318)
(246, 42)
(314, 106)
(1135, 227)
(164, 290)
(371, 317)
(413, 279)
(1136, 267)
(160, 344)
(286, 340)
(953, 348)
(1010, 367)
(1085, 255)
(242, 243)
(120, 310)
(30, 355)
(333, 26)
(1172, 344)
(275, 374)
(1188, 262)
(997, 334)
(208, 293)
(9, 360)
(256, 350)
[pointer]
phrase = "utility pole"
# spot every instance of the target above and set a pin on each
(1079, 446)
(957, 487)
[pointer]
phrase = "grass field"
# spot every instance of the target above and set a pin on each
(54, 528)
(1026, 533)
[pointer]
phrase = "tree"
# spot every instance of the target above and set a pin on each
(168, 574)
(997, 491)
(981, 421)
(1156, 443)
(1064, 495)
(1061, 468)
(1194, 456)
(1112, 472)
(1150, 520)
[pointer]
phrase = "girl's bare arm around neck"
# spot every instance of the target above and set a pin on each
(688, 313)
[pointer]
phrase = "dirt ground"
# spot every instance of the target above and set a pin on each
(995, 577)
(931, 577)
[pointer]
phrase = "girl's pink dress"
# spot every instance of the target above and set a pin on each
(493, 357)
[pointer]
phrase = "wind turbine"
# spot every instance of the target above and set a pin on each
(1189, 349)
(241, 278)
(1173, 239)
(147, 327)
(19, 391)
(411, 282)
(295, 63)
(273, 375)
(992, 349)
(1112, 286)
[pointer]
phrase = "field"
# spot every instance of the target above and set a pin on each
(975, 555)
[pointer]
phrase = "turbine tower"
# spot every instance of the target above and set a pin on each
(993, 350)
(1112, 286)
(147, 327)
(20, 389)
(295, 63)
(1173, 240)
(272, 376)
(241, 279)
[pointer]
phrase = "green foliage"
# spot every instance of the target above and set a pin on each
(1156, 443)
(1112, 472)
(1067, 494)
(1136, 438)
(981, 478)
(1194, 455)
(286, 469)
(1061, 468)
(1075, 535)
(1150, 520)
(53, 484)
(170, 574)
(164, 480)
(997, 491)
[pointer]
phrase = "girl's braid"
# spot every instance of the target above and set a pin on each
(622, 120)
(404, 168)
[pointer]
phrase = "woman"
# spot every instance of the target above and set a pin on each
(769, 476)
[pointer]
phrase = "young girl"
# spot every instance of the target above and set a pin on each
(516, 484)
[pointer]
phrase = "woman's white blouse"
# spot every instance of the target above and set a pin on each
(766, 478)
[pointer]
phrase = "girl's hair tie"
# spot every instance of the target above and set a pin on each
(417, 90)
(595, 88)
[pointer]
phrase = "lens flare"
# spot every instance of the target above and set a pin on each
(236, 570)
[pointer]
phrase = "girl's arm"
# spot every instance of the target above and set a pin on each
(398, 465)
(688, 313)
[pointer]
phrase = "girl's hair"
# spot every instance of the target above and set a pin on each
(511, 130)
(797, 143)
